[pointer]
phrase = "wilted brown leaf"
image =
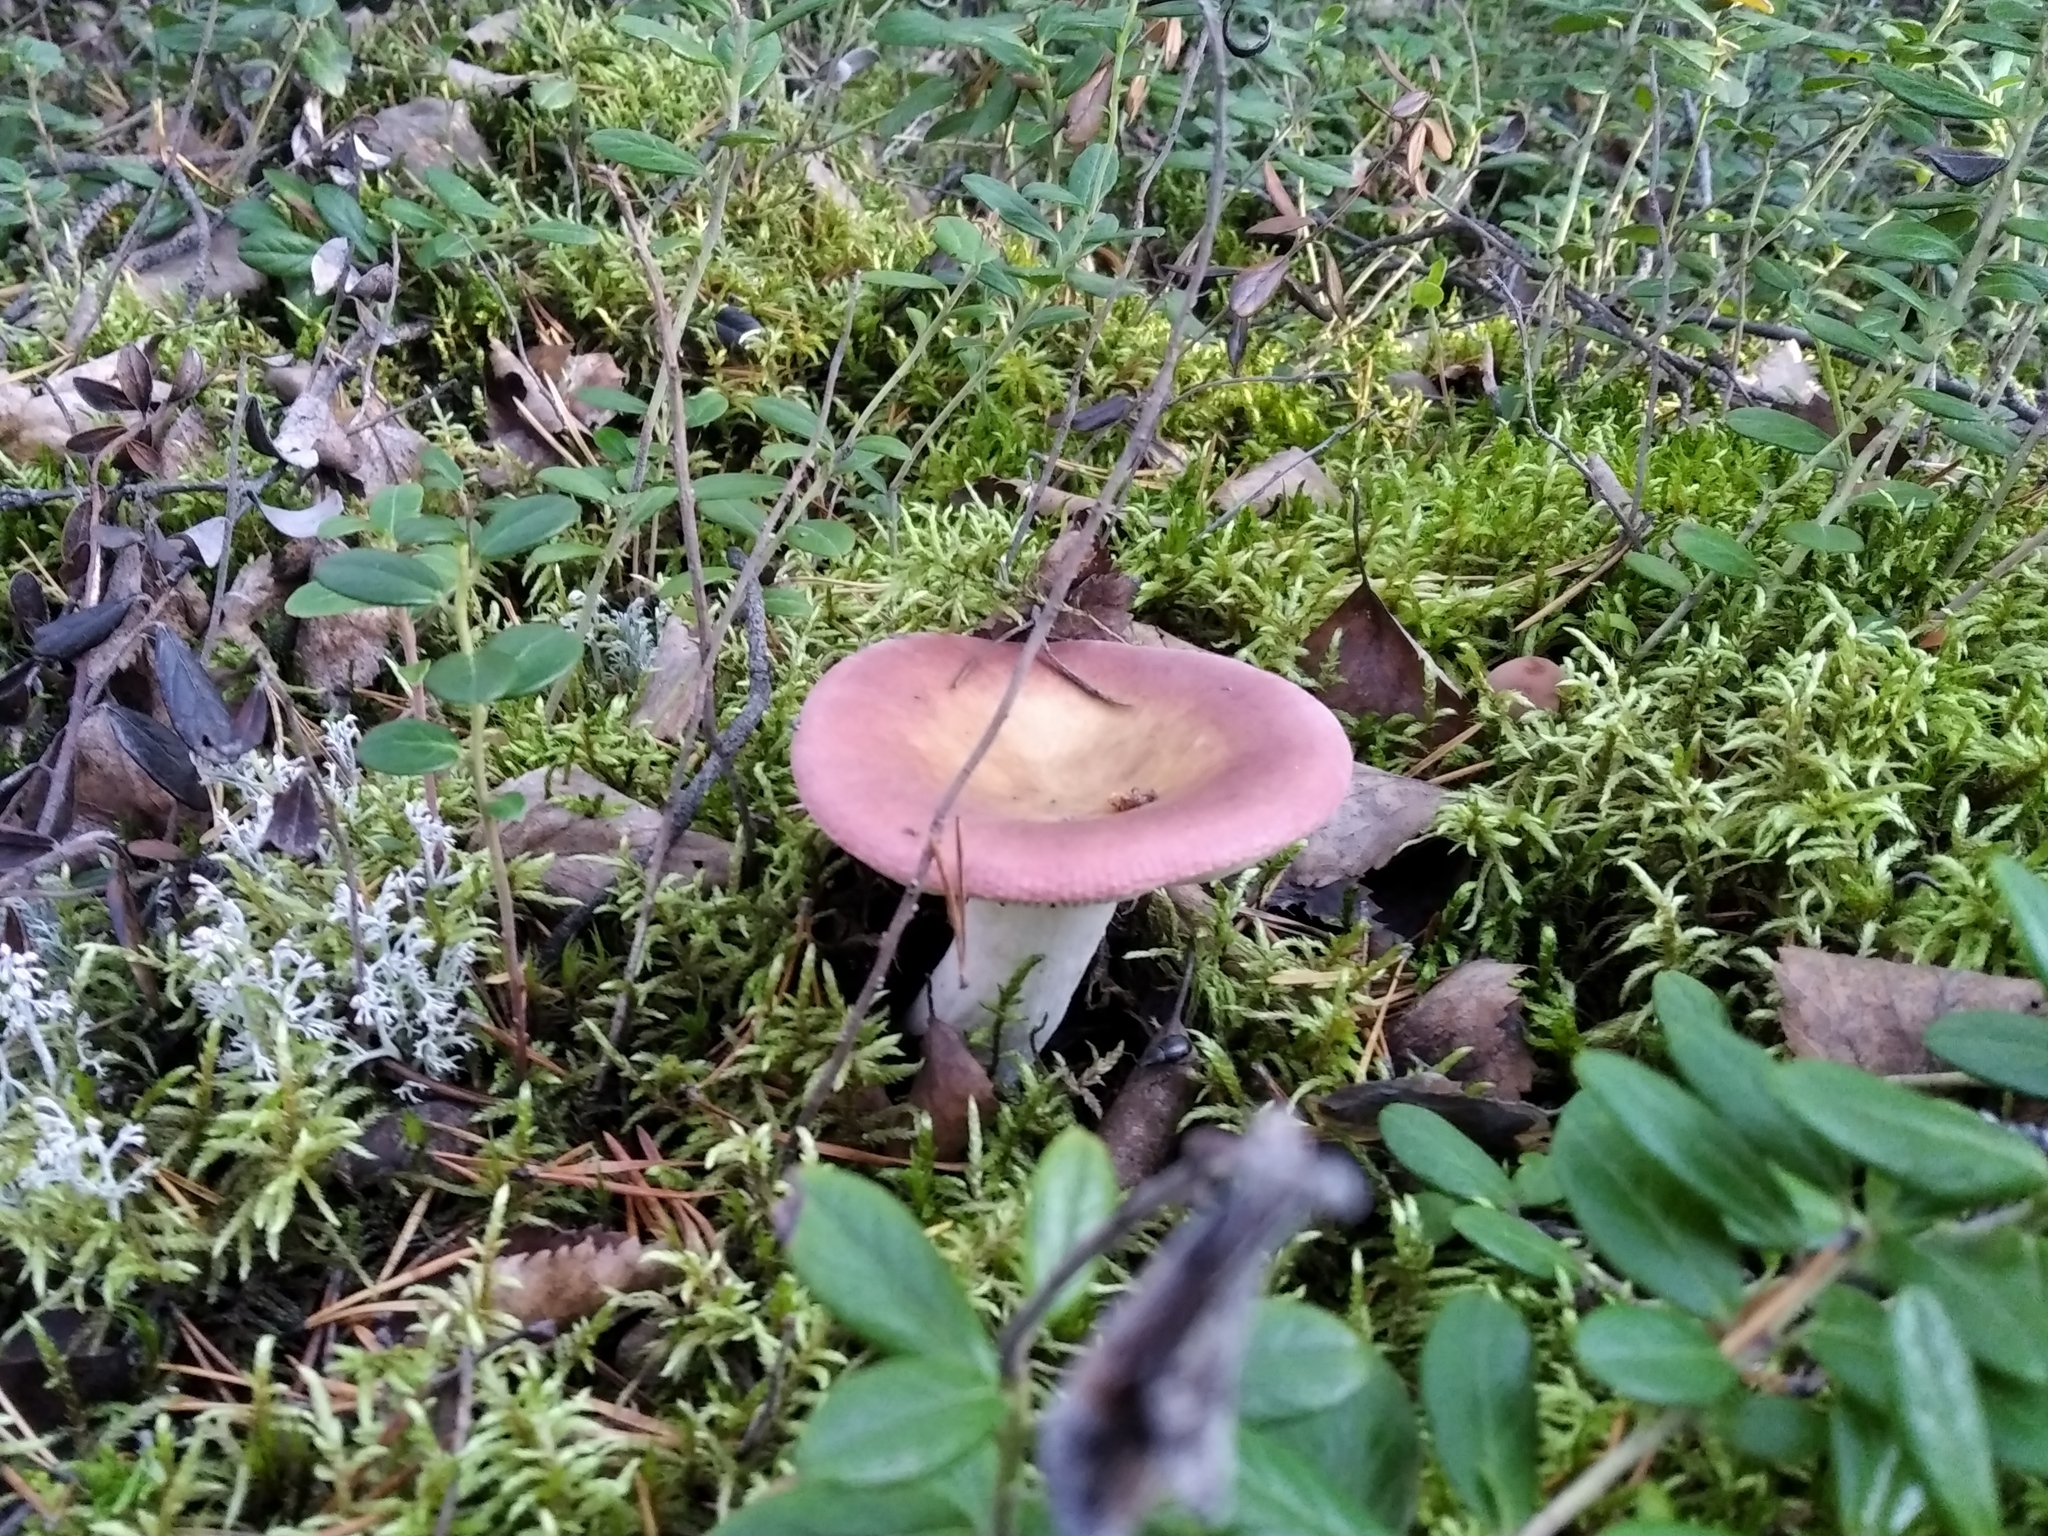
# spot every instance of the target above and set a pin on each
(671, 691)
(571, 1275)
(1253, 289)
(1087, 107)
(1143, 1121)
(1290, 472)
(1366, 663)
(1873, 1013)
(949, 1082)
(1476, 1008)
(111, 789)
(432, 132)
(31, 423)
(1381, 814)
(164, 285)
(529, 404)
(345, 651)
(1501, 1126)
(588, 827)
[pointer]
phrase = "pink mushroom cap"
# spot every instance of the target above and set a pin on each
(1201, 765)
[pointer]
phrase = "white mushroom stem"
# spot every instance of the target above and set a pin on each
(1002, 938)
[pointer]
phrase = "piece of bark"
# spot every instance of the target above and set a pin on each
(1873, 1013)
(1474, 1005)
(1381, 814)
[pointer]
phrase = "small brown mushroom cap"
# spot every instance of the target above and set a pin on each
(1121, 769)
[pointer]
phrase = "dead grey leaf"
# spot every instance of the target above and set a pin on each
(1476, 1008)
(330, 265)
(475, 80)
(164, 285)
(345, 651)
(253, 598)
(524, 399)
(495, 30)
(1782, 376)
(430, 133)
(1290, 472)
(209, 538)
(589, 827)
(1367, 663)
(157, 750)
(302, 522)
(830, 185)
(31, 423)
(665, 707)
(1152, 634)
(1873, 1013)
(1143, 1120)
(294, 825)
(1381, 814)
(1502, 1127)
(1253, 289)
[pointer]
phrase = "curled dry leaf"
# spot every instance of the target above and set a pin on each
(830, 185)
(1532, 680)
(28, 605)
(1381, 814)
(164, 284)
(190, 698)
(671, 691)
(1087, 107)
(428, 134)
(110, 789)
(254, 597)
(572, 1275)
(475, 80)
(525, 401)
(1873, 1013)
(1290, 472)
(1501, 1126)
(950, 1084)
(342, 652)
(330, 265)
(1253, 289)
(495, 30)
(1475, 1008)
(70, 637)
(1964, 167)
(31, 423)
(588, 827)
(159, 752)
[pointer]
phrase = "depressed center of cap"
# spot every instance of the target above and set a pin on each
(1120, 769)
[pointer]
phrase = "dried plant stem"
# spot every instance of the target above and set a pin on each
(1111, 498)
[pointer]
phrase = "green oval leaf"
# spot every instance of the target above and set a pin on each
(1480, 1397)
(1947, 407)
(736, 487)
(643, 152)
(1824, 538)
(897, 1421)
(1940, 1414)
(313, 601)
(534, 655)
(575, 480)
(860, 1251)
(2008, 1049)
(523, 524)
(381, 577)
(1938, 1148)
(1780, 429)
(458, 196)
(1984, 436)
(469, 680)
(1655, 568)
(409, 748)
(561, 232)
(1073, 1191)
(1933, 96)
(1301, 1359)
(785, 415)
(824, 537)
(1515, 1241)
(1438, 1153)
(1906, 240)
(1719, 552)
(1655, 1355)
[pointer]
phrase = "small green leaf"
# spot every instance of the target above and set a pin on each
(1516, 1242)
(534, 656)
(465, 681)
(2008, 1049)
(740, 487)
(826, 538)
(408, 748)
(2035, 230)
(393, 504)
(510, 806)
(340, 212)
(1995, 1286)
(1011, 206)
(1932, 96)
(1780, 429)
(551, 93)
(1281, 1493)
(783, 602)
(1938, 1148)
(1902, 239)
(279, 252)
(785, 415)
(438, 469)
(561, 232)
(860, 1251)
(1947, 407)
(643, 152)
(1719, 552)
(427, 528)
(741, 517)
(1480, 1397)
(602, 397)
(1875, 1491)
(381, 577)
(575, 480)
(833, 1509)
(1824, 538)
(1438, 1153)
(1984, 436)
(899, 1420)
(313, 601)
(703, 408)
(1655, 1355)
(522, 524)
(1842, 336)
(1301, 1360)
(459, 197)
(2026, 897)
(1778, 1431)
(1940, 1414)
(1073, 1191)
(958, 239)
(1653, 568)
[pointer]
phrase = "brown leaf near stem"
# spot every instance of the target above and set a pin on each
(1477, 1009)
(294, 825)
(428, 133)
(160, 753)
(1001, 490)
(1408, 103)
(1276, 192)
(1253, 288)
(588, 827)
(1368, 664)
(1087, 108)
(109, 788)
(1381, 814)
(568, 1276)
(1502, 1127)
(28, 605)
(671, 693)
(1098, 605)
(949, 1084)
(525, 401)
(1873, 1013)
(1142, 1124)
(1289, 473)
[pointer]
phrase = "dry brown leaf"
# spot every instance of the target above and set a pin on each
(1532, 679)
(1474, 1007)
(429, 133)
(830, 185)
(573, 1275)
(1501, 1126)
(588, 826)
(1382, 813)
(671, 692)
(1874, 1013)
(31, 423)
(164, 285)
(495, 30)
(345, 651)
(1142, 1125)
(1250, 292)
(1276, 193)
(475, 80)
(947, 1084)
(520, 398)
(1087, 107)
(110, 789)
(1152, 634)
(1368, 664)
(253, 599)
(1290, 472)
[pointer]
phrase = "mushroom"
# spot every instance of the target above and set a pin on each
(1120, 769)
